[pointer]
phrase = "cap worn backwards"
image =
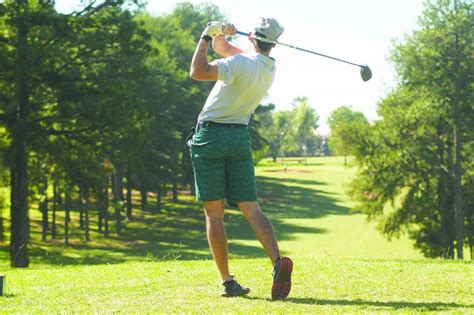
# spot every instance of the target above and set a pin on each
(269, 27)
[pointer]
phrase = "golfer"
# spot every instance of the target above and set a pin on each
(220, 147)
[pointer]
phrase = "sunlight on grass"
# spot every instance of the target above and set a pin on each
(319, 286)
(306, 204)
(161, 262)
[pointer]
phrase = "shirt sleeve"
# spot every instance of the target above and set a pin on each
(228, 69)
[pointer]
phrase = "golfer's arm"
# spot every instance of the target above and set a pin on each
(223, 48)
(201, 70)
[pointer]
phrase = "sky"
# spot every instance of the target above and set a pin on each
(360, 31)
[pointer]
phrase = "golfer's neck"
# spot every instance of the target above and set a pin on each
(255, 49)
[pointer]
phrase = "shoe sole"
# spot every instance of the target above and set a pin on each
(282, 285)
(245, 292)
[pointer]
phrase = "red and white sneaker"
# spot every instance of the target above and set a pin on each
(282, 278)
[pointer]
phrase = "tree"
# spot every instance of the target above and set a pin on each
(175, 99)
(58, 77)
(305, 122)
(262, 114)
(347, 128)
(413, 158)
(277, 131)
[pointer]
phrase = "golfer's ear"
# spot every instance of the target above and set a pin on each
(208, 73)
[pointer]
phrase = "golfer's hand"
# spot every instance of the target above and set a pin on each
(213, 29)
(229, 29)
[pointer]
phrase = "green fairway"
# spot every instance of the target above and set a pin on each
(308, 201)
(320, 285)
(161, 262)
(306, 204)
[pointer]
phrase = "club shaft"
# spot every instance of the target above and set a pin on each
(302, 49)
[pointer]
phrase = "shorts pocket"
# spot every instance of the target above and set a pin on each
(200, 138)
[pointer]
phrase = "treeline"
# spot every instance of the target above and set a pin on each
(418, 158)
(90, 101)
(286, 132)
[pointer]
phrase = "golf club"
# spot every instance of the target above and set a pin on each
(365, 71)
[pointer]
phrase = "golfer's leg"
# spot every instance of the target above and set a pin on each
(262, 227)
(216, 235)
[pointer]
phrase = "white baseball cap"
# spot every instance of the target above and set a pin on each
(269, 27)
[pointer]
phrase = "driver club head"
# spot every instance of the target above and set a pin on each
(365, 73)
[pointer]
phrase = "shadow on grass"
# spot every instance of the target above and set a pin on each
(397, 305)
(178, 231)
(292, 198)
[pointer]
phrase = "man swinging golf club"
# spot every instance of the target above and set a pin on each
(220, 147)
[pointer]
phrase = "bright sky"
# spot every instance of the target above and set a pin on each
(359, 31)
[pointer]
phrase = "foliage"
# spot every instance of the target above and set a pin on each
(290, 132)
(415, 166)
(305, 122)
(347, 128)
(89, 96)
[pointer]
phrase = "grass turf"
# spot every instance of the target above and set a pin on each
(319, 285)
(160, 263)
(306, 204)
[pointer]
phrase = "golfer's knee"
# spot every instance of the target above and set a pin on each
(250, 208)
(214, 209)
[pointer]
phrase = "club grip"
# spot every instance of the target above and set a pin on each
(242, 33)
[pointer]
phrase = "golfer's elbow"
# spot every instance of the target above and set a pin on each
(202, 74)
(195, 75)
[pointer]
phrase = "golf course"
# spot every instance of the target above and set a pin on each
(232, 157)
(162, 264)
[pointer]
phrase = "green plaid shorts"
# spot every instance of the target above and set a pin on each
(223, 164)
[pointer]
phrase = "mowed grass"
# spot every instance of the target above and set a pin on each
(310, 197)
(320, 285)
(161, 262)
(307, 206)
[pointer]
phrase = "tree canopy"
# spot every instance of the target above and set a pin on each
(415, 163)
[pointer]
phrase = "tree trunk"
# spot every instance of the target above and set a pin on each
(19, 156)
(457, 191)
(119, 183)
(55, 204)
(66, 215)
(158, 199)
(164, 191)
(113, 181)
(175, 191)
(117, 203)
(86, 215)
(81, 207)
(60, 196)
(446, 222)
(19, 207)
(144, 196)
(100, 210)
(106, 211)
(188, 168)
(44, 208)
(129, 194)
(193, 186)
(470, 225)
(457, 143)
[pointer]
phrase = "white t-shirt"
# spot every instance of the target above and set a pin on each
(242, 82)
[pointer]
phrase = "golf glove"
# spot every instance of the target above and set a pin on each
(213, 29)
